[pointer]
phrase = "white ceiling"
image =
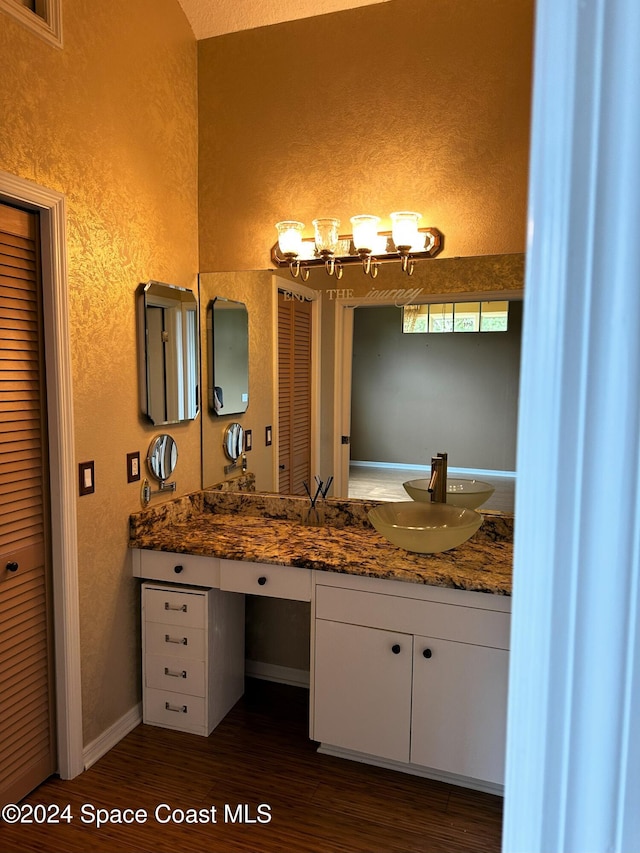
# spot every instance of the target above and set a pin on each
(216, 17)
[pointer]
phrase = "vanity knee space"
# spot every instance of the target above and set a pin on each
(193, 632)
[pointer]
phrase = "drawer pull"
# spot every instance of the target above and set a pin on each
(182, 709)
(427, 653)
(262, 580)
(182, 674)
(395, 648)
(180, 640)
(180, 607)
(178, 569)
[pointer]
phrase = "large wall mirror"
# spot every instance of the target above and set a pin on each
(168, 353)
(227, 357)
(460, 378)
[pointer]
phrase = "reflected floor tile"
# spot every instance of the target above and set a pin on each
(385, 484)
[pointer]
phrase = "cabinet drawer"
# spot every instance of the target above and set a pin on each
(175, 640)
(178, 568)
(175, 710)
(263, 579)
(429, 618)
(174, 607)
(175, 674)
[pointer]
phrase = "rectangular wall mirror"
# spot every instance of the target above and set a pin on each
(227, 357)
(168, 353)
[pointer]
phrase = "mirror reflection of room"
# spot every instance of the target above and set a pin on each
(329, 396)
(228, 357)
(414, 394)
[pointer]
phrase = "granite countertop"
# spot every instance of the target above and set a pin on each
(267, 529)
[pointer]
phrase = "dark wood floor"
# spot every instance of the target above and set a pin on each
(260, 754)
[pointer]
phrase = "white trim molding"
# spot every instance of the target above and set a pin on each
(573, 744)
(277, 673)
(412, 769)
(51, 207)
(46, 22)
(112, 736)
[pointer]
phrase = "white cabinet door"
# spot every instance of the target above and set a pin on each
(459, 708)
(363, 689)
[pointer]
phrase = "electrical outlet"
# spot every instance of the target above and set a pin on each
(133, 467)
(86, 476)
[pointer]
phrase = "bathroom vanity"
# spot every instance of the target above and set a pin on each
(409, 652)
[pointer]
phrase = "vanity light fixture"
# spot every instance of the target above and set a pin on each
(404, 230)
(406, 242)
(290, 245)
(365, 241)
(326, 238)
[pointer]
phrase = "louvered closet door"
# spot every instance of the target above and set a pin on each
(27, 754)
(294, 394)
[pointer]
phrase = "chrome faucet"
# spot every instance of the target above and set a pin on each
(438, 481)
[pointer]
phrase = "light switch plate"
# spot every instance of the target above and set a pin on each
(248, 440)
(86, 476)
(133, 467)
(268, 436)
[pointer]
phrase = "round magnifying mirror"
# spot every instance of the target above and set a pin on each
(233, 441)
(162, 457)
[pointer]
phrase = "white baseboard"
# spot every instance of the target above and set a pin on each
(273, 672)
(113, 735)
(413, 769)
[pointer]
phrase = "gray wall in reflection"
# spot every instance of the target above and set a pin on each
(417, 394)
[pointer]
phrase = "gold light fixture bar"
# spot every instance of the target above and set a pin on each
(309, 257)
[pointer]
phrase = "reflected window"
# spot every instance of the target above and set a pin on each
(441, 317)
(466, 317)
(415, 318)
(494, 316)
(445, 317)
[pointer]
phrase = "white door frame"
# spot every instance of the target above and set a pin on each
(573, 743)
(315, 297)
(343, 365)
(51, 207)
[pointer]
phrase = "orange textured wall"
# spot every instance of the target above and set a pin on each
(401, 105)
(110, 120)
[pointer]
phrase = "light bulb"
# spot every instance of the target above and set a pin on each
(365, 232)
(404, 229)
(326, 235)
(290, 237)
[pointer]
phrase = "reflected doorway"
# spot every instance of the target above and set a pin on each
(294, 393)
(386, 433)
(297, 403)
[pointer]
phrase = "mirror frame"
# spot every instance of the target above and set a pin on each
(233, 441)
(162, 457)
(180, 367)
